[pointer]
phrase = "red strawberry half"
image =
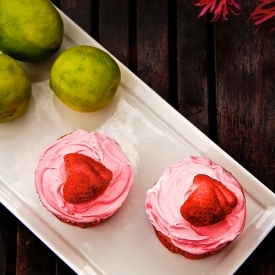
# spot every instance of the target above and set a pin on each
(86, 178)
(209, 202)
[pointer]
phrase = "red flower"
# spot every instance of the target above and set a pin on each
(218, 8)
(264, 11)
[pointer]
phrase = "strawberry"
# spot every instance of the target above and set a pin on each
(86, 178)
(209, 202)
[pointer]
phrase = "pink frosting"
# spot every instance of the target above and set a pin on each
(50, 176)
(165, 199)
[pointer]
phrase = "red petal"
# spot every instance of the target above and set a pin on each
(218, 8)
(264, 11)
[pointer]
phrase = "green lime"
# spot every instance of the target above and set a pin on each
(85, 78)
(30, 30)
(15, 89)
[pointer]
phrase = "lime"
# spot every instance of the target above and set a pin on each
(15, 89)
(30, 30)
(85, 78)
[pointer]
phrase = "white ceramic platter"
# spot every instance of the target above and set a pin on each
(152, 134)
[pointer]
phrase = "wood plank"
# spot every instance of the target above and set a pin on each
(194, 39)
(62, 268)
(245, 108)
(153, 45)
(3, 239)
(33, 257)
(79, 11)
(245, 96)
(8, 232)
(114, 28)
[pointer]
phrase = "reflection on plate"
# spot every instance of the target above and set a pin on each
(152, 134)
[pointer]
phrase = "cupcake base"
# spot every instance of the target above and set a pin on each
(82, 224)
(171, 247)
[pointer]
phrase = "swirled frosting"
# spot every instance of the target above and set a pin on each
(165, 198)
(50, 176)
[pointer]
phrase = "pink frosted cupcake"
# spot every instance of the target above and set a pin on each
(83, 178)
(196, 207)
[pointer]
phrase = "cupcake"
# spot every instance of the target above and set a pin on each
(196, 207)
(83, 178)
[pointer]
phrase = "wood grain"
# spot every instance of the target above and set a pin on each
(194, 67)
(79, 11)
(3, 239)
(33, 257)
(153, 45)
(114, 28)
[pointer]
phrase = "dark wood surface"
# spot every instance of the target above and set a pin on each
(219, 76)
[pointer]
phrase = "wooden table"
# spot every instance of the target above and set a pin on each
(219, 76)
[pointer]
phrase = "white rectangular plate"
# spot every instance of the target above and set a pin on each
(152, 134)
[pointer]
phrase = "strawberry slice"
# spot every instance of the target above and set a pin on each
(209, 202)
(86, 178)
(230, 197)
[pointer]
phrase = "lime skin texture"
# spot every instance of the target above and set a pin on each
(85, 78)
(30, 30)
(15, 89)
